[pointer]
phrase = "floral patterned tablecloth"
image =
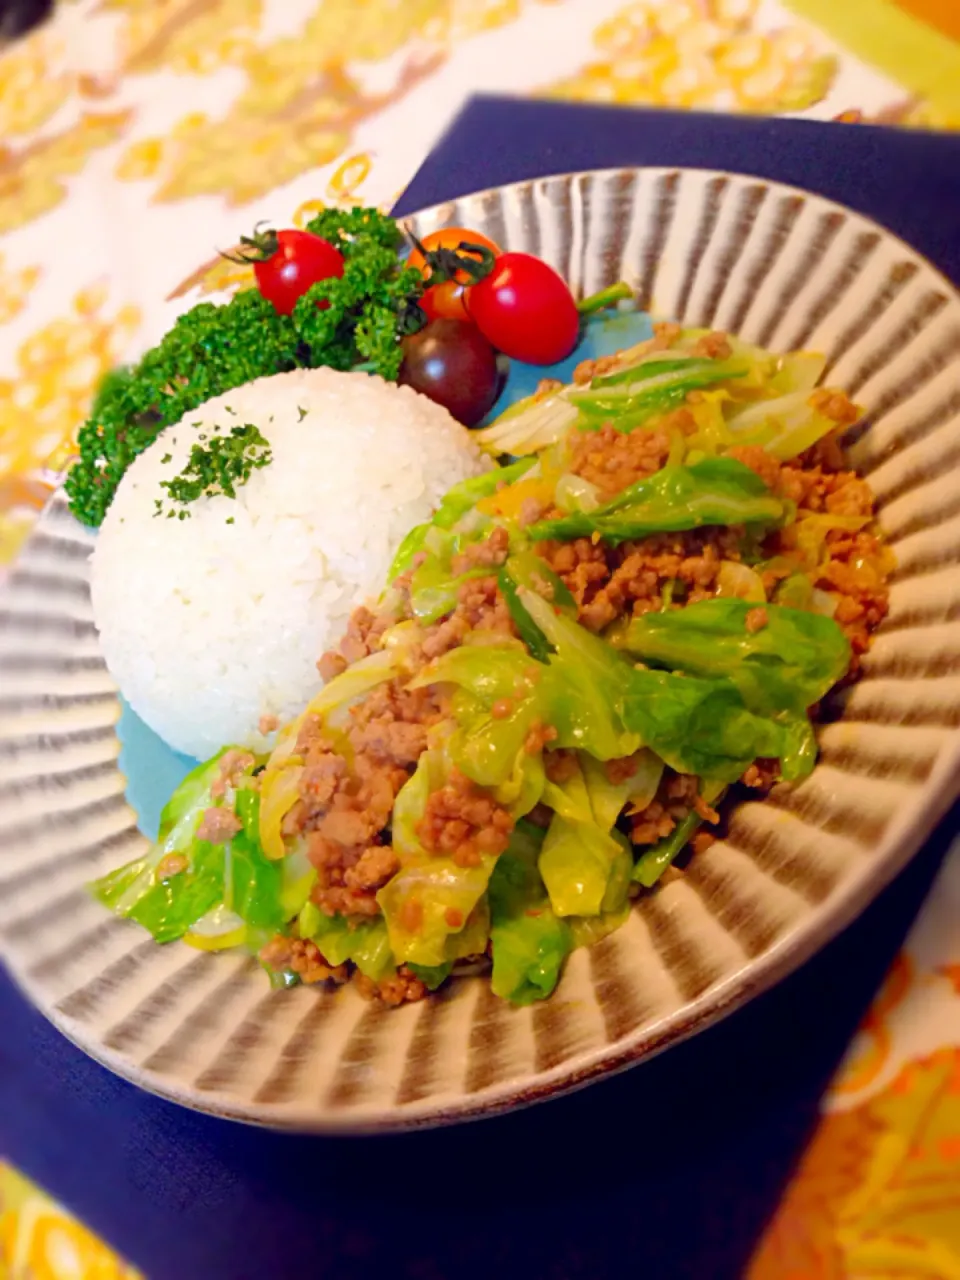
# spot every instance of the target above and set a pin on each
(137, 134)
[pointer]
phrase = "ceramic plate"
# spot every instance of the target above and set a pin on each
(784, 269)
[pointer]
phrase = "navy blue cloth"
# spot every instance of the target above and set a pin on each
(669, 1170)
(906, 179)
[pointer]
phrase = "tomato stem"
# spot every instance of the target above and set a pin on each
(445, 264)
(605, 298)
(260, 247)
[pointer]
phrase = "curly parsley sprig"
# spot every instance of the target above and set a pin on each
(370, 307)
(213, 349)
(346, 229)
(219, 466)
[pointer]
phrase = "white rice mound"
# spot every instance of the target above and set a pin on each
(206, 625)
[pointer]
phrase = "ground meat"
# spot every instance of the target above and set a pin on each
(705, 812)
(587, 370)
(481, 607)
(807, 483)
(613, 460)
(310, 737)
(620, 770)
(374, 868)
(531, 510)
(392, 722)
(539, 736)
(853, 498)
(665, 334)
(565, 557)
(302, 957)
(854, 573)
(345, 805)
(581, 564)
(607, 582)
(547, 386)
(402, 988)
(394, 699)
(757, 459)
(676, 796)
(172, 864)
(835, 405)
(308, 962)
(854, 570)
(761, 775)
(403, 581)
(560, 766)
(268, 723)
(331, 665)
(681, 420)
(715, 346)
(772, 575)
(756, 619)
(488, 554)
(331, 893)
(800, 486)
(827, 453)
(444, 636)
(679, 787)
(378, 784)
(348, 826)
(218, 825)
(392, 741)
(233, 764)
(814, 489)
(701, 841)
(363, 634)
(277, 953)
(652, 824)
(323, 773)
(464, 823)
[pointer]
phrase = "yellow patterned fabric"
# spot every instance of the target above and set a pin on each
(139, 136)
(41, 1241)
(877, 1193)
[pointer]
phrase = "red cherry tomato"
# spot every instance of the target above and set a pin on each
(525, 309)
(300, 260)
(445, 301)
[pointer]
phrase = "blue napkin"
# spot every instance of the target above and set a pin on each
(909, 180)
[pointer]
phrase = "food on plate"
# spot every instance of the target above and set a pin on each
(340, 294)
(443, 255)
(241, 539)
(286, 263)
(525, 309)
(574, 659)
(518, 302)
(213, 349)
(452, 362)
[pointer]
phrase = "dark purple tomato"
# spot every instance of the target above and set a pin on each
(452, 362)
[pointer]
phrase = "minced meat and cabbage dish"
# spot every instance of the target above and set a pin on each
(578, 662)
